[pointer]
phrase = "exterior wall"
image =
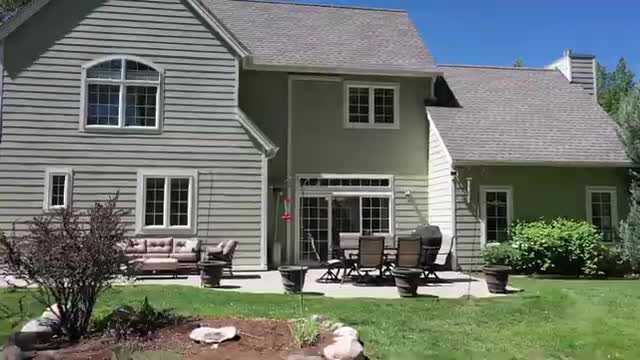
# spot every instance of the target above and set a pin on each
(440, 197)
(321, 145)
(538, 192)
(583, 73)
(42, 81)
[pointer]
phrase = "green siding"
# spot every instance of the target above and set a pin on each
(538, 192)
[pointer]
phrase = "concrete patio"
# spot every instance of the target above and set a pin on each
(453, 285)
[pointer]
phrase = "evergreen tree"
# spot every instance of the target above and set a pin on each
(628, 119)
(519, 62)
(615, 86)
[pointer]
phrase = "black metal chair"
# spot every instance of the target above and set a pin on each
(435, 259)
(332, 266)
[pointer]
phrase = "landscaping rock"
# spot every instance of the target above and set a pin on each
(44, 326)
(209, 335)
(346, 331)
(344, 348)
(51, 313)
(12, 352)
(336, 326)
(317, 318)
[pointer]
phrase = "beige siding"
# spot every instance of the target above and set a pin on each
(42, 79)
(468, 251)
(582, 73)
(440, 197)
(410, 211)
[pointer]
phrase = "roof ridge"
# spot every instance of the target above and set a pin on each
(284, 2)
(497, 67)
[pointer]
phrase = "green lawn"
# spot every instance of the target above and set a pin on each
(552, 319)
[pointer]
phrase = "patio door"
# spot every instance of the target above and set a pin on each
(315, 230)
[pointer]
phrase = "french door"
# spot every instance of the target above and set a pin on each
(325, 218)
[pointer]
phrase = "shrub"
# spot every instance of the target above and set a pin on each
(127, 323)
(72, 257)
(613, 263)
(630, 231)
(562, 246)
(500, 254)
(306, 332)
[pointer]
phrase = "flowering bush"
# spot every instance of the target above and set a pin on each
(562, 246)
(500, 254)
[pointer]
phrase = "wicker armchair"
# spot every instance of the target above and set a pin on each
(224, 253)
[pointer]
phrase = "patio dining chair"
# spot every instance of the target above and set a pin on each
(409, 252)
(370, 256)
(430, 267)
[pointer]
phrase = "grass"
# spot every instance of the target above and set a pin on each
(306, 332)
(552, 319)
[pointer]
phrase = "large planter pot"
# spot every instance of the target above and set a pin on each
(497, 277)
(407, 281)
(211, 273)
(293, 278)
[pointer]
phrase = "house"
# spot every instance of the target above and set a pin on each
(214, 118)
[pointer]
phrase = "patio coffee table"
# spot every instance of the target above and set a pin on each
(157, 264)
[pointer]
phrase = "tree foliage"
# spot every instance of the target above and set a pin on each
(614, 86)
(519, 62)
(630, 231)
(73, 257)
(10, 5)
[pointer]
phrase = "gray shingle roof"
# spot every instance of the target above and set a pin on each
(290, 34)
(524, 115)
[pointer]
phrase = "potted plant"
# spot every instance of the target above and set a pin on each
(497, 258)
(407, 281)
(293, 278)
(211, 273)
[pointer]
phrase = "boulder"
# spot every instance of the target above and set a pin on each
(344, 348)
(39, 326)
(336, 325)
(346, 331)
(51, 313)
(209, 335)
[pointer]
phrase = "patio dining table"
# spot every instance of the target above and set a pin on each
(349, 258)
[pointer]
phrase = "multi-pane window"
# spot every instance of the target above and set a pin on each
(122, 93)
(496, 214)
(375, 215)
(57, 194)
(166, 201)
(601, 210)
(345, 182)
(372, 105)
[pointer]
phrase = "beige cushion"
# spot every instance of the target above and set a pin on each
(184, 257)
(155, 246)
(186, 246)
(136, 246)
(160, 265)
(155, 256)
(215, 249)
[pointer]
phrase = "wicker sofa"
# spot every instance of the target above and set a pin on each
(164, 255)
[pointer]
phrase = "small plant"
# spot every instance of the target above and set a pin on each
(500, 254)
(127, 322)
(306, 332)
(73, 257)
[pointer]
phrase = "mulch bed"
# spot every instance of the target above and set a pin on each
(259, 339)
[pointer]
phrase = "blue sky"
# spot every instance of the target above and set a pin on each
(496, 32)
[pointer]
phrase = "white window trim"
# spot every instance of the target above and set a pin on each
(68, 186)
(484, 189)
(613, 191)
(122, 82)
(371, 86)
(166, 229)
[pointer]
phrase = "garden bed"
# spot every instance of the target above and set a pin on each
(258, 339)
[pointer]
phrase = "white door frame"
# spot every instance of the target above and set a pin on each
(484, 189)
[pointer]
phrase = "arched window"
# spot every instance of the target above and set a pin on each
(121, 92)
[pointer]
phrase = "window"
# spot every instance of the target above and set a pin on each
(602, 210)
(57, 194)
(121, 93)
(372, 105)
(496, 213)
(365, 215)
(166, 201)
(344, 182)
